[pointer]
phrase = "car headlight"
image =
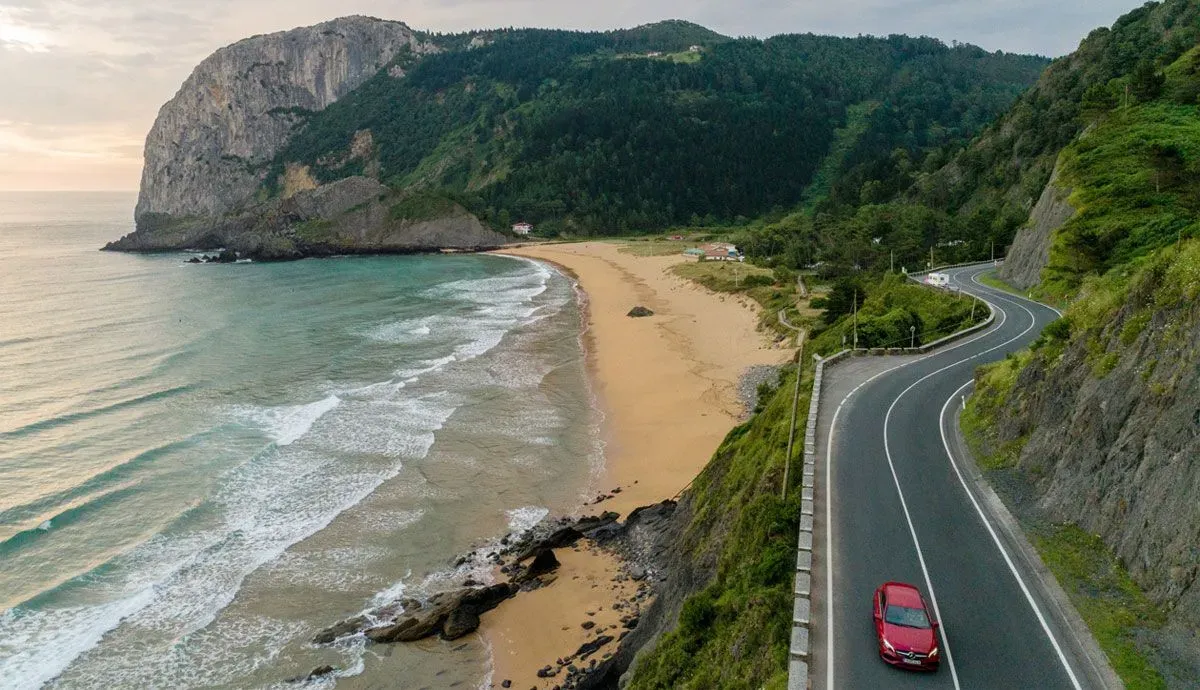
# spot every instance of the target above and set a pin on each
(933, 653)
(889, 646)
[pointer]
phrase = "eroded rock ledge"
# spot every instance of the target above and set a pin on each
(355, 215)
(529, 563)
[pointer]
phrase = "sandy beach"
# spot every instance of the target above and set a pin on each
(668, 387)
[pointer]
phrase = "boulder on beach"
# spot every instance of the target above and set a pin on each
(639, 311)
(461, 621)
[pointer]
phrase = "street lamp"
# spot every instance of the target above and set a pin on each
(912, 333)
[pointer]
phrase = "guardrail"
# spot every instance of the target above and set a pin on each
(996, 262)
(802, 604)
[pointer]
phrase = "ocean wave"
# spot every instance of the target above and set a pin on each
(65, 518)
(121, 472)
(523, 519)
(170, 591)
(287, 424)
(73, 417)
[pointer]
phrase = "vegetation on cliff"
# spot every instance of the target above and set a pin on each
(611, 132)
(734, 633)
(965, 201)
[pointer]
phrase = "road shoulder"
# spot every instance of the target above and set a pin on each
(1087, 655)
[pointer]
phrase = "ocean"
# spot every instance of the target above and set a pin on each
(203, 465)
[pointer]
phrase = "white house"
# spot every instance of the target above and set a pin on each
(522, 229)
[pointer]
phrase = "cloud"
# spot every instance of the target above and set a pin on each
(98, 70)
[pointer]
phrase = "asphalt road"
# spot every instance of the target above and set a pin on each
(901, 506)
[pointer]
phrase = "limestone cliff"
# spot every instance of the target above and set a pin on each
(205, 154)
(1030, 250)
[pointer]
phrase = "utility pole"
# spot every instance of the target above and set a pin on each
(931, 257)
(855, 318)
(993, 251)
(892, 262)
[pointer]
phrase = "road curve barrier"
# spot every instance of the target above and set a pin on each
(802, 603)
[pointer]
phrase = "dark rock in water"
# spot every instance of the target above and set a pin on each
(195, 260)
(227, 256)
(321, 671)
(506, 683)
(461, 621)
(639, 311)
(464, 605)
(346, 627)
(591, 647)
(588, 625)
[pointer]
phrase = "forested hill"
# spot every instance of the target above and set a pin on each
(636, 130)
(965, 201)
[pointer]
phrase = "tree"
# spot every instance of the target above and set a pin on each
(1146, 82)
(841, 299)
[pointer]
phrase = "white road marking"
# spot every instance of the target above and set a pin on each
(1004, 552)
(829, 544)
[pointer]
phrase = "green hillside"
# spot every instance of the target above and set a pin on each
(635, 130)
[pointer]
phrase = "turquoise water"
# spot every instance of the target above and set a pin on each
(202, 465)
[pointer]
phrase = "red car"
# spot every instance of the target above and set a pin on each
(907, 632)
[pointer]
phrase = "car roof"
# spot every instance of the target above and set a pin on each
(903, 594)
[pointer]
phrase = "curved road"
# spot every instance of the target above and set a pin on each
(900, 505)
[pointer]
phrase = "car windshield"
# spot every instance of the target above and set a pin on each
(909, 618)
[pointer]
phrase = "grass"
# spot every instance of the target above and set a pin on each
(725, 276)
(891, 307)
(755, 282)
(989, 279)
(735, 632)
(1107, 598)
(315, 230)
(858, 119)
(994, 384)
(423, 206)
(1135, 191)
(655, 246)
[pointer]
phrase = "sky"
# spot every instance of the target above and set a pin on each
(82, 80)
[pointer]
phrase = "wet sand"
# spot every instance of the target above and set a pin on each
(668, 387)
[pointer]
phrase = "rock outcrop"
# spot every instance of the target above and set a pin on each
(354, 215)
(1030, 251)
(1113, 429)
(205, 154)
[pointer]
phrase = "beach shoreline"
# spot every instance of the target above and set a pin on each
(667, 390)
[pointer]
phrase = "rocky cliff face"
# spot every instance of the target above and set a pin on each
(355, 215)
(1111, 414)
(205, 152)
(1030, 251)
